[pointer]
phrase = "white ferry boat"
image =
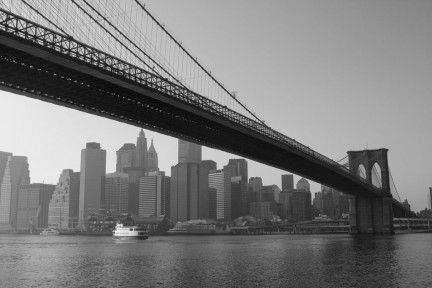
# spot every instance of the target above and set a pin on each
(121, 231)
(49, 231)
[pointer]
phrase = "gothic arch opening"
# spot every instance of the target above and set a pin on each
(376, 175)
(361, 171)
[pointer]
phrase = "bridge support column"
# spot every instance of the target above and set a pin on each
(371, 215)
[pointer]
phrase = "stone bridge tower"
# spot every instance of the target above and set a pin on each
(371, 215)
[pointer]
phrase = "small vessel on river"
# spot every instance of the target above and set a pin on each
(128, 232)
(49, 231)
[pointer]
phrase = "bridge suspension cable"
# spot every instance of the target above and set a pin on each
(129, 31)
(393, 185)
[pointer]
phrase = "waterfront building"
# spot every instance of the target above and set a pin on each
(263, 210)
(152, 159)
(141, 151)
(189, 152)
(240, 169)
(33, 205)
(287, 181)
(116, 193)
(16, 173)
(93, 165)
(154, 192)
(125, 157)
(296, 205)
(332, 202)
(220, 181)
(64, 204)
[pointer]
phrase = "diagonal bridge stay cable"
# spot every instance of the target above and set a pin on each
(196, 62)
(127, 38)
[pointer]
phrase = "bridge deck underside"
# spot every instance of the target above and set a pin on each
(23, 71)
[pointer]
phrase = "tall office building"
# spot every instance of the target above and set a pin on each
(93, 165)
(254, 190)
(236, 197)
(296, 205)
(189, 184)
(189, 152)
(141, 151)
(270, 193)
(241, 170)
(16, 173)
(203, 193)
(134, 175)
(184, 191)
(287, 182)
(303, 184)
(125, 157)
(220, 182)
(116, 193)
(331, 202)
(154, 192)
(64, 204)
(4, 156)
(33, 205)
(152, 159)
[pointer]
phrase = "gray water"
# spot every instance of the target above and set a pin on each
(217, 261)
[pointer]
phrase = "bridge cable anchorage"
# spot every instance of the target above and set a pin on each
(127, 38)
(194, 59)
(394, 185)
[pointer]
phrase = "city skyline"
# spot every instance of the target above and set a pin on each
(365, 86)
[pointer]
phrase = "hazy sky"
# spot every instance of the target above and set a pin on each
(334, 75)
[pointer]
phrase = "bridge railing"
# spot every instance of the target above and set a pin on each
(24, 29)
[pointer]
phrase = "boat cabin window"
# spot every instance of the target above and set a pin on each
(131, 229)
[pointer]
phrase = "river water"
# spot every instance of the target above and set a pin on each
(217, 261)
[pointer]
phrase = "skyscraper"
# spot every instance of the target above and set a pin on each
(116, 193)
(296, 205)
(4, 156)
(188, 188)
(152, 159)
(241, 170)
(220, 181)
(33, 205)
(184, 191)
(189, 152)
(64, 204)
(16, 173)
(93, 165)
(125, 157)
(141, 151)
(154, 189)
(287, 182)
